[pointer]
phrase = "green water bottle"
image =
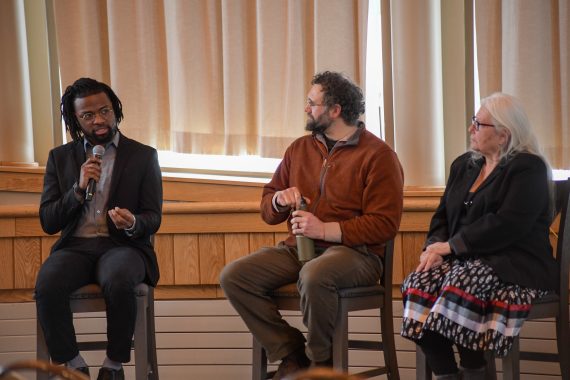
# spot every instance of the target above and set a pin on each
(305, 245)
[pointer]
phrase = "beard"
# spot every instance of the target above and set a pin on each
(319, 125)
(103, 139)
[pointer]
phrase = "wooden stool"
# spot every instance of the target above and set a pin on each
(350, 299)
(90, 299)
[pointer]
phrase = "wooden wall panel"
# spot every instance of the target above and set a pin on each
(236, 246)
(415, 221)
(412, 244)
(164, 248)
(280, 236)
(47, 242)
(260, 240)
(7, 227)
(27, 260)
(6, 263)
(207, 191)
(210, 223)
(398, 268)
(24, 180)
(186, 259)
(29, 226)
(212, 260)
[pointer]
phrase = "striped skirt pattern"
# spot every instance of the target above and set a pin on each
(467, 303)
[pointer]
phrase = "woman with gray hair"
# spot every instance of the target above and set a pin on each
(487, 253)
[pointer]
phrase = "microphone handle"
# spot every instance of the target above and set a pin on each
(90, 190)
(91, 185)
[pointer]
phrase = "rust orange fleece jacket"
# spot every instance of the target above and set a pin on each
(358, 184)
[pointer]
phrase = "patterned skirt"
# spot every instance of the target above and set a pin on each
(467, 303)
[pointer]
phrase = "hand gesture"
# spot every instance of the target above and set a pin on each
(122, 218)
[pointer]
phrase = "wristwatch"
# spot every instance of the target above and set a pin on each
(79, 191)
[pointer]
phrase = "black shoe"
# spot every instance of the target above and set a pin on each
(111, 374)
(292, 363)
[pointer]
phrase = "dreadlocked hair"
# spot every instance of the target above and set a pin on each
(338, 89)
(79, 89)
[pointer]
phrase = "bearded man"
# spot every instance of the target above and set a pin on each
(103, 192)
(353, 184)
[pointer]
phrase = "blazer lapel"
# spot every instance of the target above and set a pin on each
(498, 169)
(473, 170)
(120, 162)
(460, 193)
(78, 154)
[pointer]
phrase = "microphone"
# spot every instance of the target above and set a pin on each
(98, 151)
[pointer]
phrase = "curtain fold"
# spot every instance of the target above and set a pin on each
(16, 145)
(417, 96)
(522, 48)
(211, 77)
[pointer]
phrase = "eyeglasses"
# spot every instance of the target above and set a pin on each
(105, 112)
(478, 125)
(310, 103)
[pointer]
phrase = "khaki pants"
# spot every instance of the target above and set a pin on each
(247, 281)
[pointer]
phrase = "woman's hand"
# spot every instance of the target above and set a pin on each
(432, 256)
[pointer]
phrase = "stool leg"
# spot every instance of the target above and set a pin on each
(423, 371)
(42, 352)
(151, 338)
(141, 348)
(388, 342)
(259, 361)
(340, 338)
(490, 369)
(562, 339)
(511, 363)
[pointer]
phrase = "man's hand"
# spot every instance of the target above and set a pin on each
(90, 169)
(290, 197)
(122, 218)
(307, 224)
(432, 256)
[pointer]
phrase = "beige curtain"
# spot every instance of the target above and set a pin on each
(211, 77)
(414, 102)
(522, 49)
(16, 144)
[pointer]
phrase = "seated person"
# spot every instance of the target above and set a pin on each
(353, 184)
(487, 254)
(104, 239)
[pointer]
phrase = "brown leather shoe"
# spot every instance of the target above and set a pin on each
(292, 363)
(111, 374)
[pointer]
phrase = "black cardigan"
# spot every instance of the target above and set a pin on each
(505, 222)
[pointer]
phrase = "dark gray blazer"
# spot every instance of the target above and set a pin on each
(136, 185)
(505, 222)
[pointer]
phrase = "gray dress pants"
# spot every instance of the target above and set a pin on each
(247, 281)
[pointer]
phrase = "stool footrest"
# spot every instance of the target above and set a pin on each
(373, 372)
(91, 346)
(539, 356)
(365, 345)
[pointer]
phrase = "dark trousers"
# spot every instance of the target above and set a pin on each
(117, 269)
(439, 354)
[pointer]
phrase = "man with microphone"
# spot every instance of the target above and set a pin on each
(103, 192)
